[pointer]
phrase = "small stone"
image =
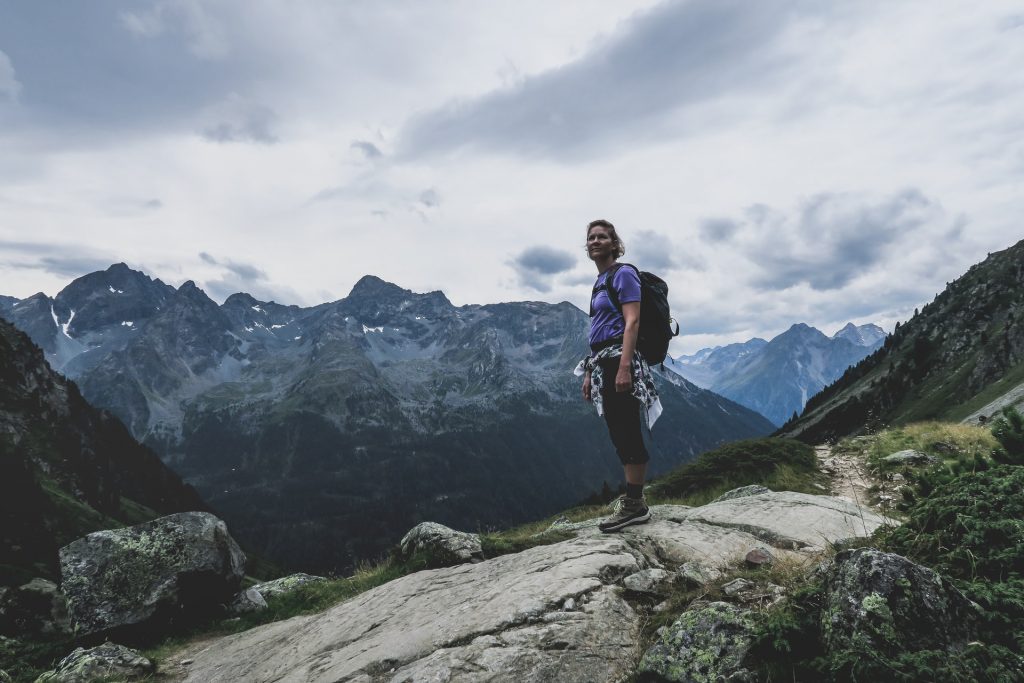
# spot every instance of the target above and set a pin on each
(695, 575)
(249, 600)
(569, 605)
(186, 662)
(910, 457)
(737, 586)
(759, 557)
(649, 581)
(286, 584)
(661, 607)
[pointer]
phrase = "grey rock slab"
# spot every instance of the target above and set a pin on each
(286, 584)
(791, 520)
(570, 651)
(673, 544)
(441, 615)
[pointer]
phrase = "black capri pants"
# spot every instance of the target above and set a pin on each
(622, 415)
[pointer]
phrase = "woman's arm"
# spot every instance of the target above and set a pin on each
(631, 314)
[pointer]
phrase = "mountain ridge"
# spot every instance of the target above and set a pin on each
(472, 412)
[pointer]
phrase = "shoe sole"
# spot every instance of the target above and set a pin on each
(640, 519)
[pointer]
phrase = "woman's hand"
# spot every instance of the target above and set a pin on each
(623, 379)
(586, 387)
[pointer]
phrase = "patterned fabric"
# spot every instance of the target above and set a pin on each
(643, 381)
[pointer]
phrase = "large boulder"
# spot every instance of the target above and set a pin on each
(881, 602)
(142, 579)
(37, 607)
(440, 545)
(707, 643)
(108, 662)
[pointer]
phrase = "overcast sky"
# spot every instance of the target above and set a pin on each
(775, 162)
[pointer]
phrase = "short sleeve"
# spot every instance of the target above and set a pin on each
(627, 284)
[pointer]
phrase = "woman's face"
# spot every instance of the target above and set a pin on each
(599, 242)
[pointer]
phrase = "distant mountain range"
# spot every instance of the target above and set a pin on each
(776, 378)
(960, 357)
(323, 433)
(66, 468)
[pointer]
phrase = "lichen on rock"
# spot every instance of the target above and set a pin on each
(104, 663)
(703, 645)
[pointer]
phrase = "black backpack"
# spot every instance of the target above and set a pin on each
(657, 327)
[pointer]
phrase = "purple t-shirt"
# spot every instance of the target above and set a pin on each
(606, 322)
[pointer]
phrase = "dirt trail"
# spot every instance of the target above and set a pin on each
(849, 474)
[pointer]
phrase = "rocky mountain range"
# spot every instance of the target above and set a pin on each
(322, 433)
(776, 378)
(961, 356)
(66, 468)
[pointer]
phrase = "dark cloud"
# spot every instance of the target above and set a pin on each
(833, 238)
(537, 266)
(545, 260)
(71, 260)
(718, 229)
(678, 54)
(368, 149)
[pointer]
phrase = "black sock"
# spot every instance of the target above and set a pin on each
(634, 490)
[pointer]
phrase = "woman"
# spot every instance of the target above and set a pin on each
(616, 377)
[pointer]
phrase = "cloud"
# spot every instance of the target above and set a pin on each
(718, 229)
(368, 149)
(545, 260)
(832, 238)
(237, 120)
(675, 55)
(537, 266)
(651, 250)
(430, 198)
(203, 34)
(69, 260)
(245, 277)
(9, 85)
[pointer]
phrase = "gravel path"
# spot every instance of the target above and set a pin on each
(849, 475)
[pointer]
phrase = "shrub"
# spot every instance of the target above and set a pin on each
(1009, 430)
(773, 462)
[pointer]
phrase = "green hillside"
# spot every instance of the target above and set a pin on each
(961, 351)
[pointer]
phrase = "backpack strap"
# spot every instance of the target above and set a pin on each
(613, 296)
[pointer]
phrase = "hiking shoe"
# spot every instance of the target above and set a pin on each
(631, 511)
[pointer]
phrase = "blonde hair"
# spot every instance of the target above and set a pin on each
(620, 246)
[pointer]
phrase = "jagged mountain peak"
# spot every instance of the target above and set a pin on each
(862, 335)
(371, 286)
